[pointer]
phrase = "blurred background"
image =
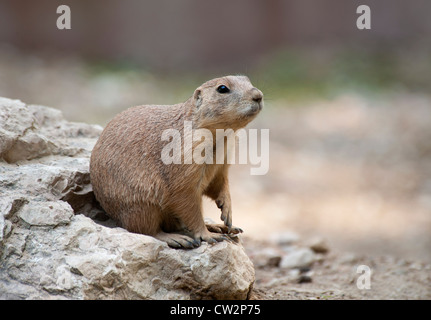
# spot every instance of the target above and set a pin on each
(349, 111)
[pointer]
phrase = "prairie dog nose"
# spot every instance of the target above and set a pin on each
(256, 95)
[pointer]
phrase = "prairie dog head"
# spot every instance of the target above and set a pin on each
(227, 102)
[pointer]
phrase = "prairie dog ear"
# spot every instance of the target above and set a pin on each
(197, 97)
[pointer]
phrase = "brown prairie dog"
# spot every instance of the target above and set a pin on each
(145, 195)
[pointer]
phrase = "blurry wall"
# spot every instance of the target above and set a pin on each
(191, 34)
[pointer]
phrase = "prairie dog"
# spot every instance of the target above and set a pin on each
(146, 196)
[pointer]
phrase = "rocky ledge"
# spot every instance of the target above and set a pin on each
(56, 243)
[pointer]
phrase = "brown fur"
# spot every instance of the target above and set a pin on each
(146, 196)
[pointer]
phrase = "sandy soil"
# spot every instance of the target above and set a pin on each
(335, 276)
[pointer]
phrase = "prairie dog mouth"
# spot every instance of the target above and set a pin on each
(254, 108)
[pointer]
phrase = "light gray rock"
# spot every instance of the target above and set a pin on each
(32, 132)
(298, 258)
(263, 257)
(46, 213)
(286, 238)
(51, 249)
(83, 260)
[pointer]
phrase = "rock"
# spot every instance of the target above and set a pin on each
(348, 258)
(304, 278)
(50, 248)
(285, 238)
(46, 213)
(83, 260)
(32, 132)
(298, 258)
(270, 257)
(318, 245)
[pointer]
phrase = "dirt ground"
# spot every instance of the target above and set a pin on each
(335, 276)
(353, 170)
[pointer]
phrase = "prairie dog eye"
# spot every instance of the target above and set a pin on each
(222, 89)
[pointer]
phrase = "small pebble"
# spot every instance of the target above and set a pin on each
(304, 278)
(319, 245)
